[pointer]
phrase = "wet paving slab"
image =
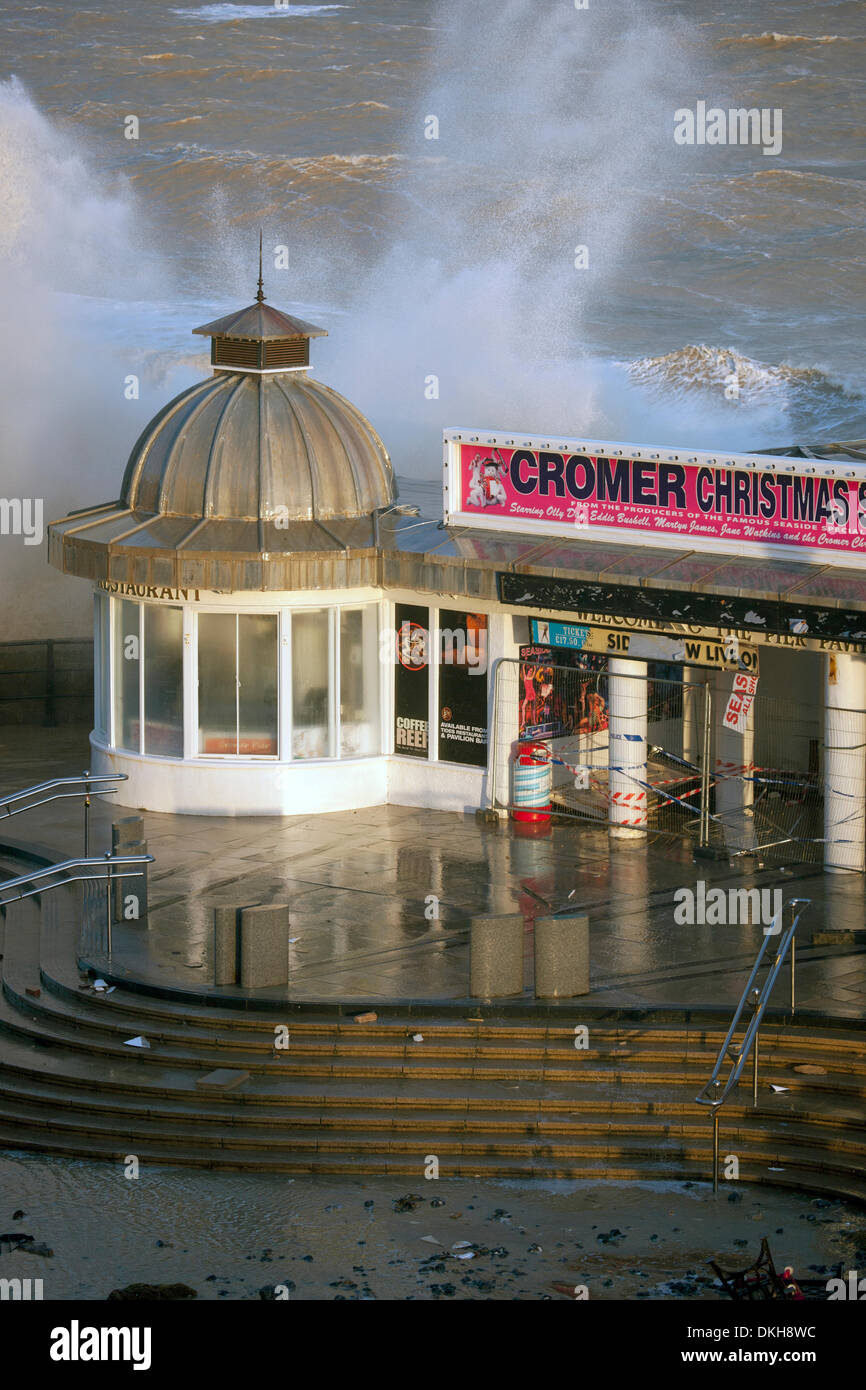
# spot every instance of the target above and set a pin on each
(381, 899)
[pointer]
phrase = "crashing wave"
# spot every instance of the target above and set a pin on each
(770, 36)
(802, 394)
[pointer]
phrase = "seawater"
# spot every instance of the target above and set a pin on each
(452, 258)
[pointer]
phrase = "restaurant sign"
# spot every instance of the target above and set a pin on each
(741, 503)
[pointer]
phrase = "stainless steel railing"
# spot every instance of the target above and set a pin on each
(12, 890)
(85, 785)
(717, 1090)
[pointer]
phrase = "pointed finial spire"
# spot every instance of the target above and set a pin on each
(261, 291)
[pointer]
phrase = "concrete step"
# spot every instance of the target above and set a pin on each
(817, 1179)
(201, 1021)
(344, 1123)
(507, 1097)
(211, 1050)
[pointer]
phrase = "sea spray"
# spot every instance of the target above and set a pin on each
(549, 138)
(67, 237)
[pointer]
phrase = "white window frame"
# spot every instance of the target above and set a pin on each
(237, 614)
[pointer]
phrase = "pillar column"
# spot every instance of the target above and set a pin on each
(844, 763)
(627, 758)
(733, 770)
(693, 712)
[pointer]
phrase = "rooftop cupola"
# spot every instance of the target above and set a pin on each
(260, 339)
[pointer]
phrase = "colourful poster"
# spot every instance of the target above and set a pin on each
(561, 692)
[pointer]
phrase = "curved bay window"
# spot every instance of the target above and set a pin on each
(329, 692)
(147, 644)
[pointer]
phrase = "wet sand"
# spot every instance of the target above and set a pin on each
(228, 1236)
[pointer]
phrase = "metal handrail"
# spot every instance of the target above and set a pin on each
(85, 782)
(95, 867)
(107, 863)
(715, 1093)
(710, 1094)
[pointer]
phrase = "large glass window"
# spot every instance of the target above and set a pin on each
(127, 675)
(217, 683)
(163, 681)
(148, 678)
(312, 719)
(359, 682)
(257, 684)
(237, 684)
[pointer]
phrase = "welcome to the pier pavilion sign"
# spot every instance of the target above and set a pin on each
(748, 504)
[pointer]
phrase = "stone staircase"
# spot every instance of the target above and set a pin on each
(508, 1096)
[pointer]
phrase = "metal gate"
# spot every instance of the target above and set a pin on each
(759, 791)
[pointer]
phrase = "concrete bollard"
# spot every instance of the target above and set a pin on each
(496, 956)
(561, 957)
(264, 945)
(225, 945)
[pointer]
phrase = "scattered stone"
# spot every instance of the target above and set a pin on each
(369, 1204)
(407, 1203)
(535, 1249)
(34, 993)
(443, 1290)
(150, 1292)
(735, 1196)
(18, 1215)
(438, 1202)
(164, 1245)
(14, 1239)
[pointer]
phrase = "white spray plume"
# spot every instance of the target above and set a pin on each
(67, 237)
(553, 130)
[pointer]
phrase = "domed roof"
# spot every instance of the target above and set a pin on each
(255, 446)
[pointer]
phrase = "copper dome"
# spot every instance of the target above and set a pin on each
(256, 446)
